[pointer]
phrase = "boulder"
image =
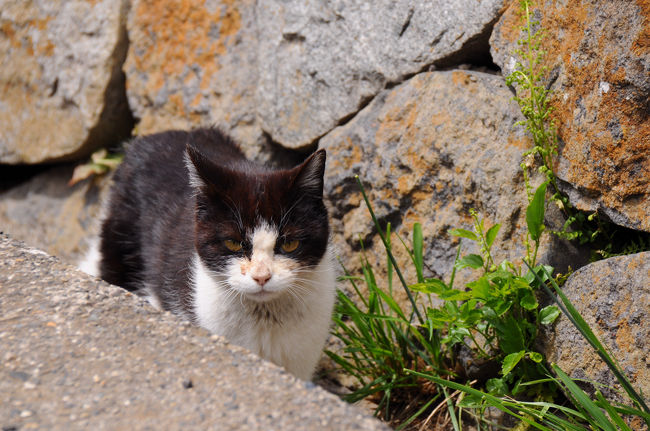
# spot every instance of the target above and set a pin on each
(613, 296)
(320, 62)
(62, 90)
(598, 57)
(193, 64)
(48, 214)
(428, 151)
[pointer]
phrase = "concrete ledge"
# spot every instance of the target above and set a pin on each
(78, 353)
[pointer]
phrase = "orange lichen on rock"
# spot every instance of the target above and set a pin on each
(598, 56)
(179, 34)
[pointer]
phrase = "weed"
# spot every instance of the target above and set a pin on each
(100, 163)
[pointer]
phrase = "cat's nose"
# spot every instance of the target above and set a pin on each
(261, 279)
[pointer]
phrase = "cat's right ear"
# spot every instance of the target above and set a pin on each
(203, 174)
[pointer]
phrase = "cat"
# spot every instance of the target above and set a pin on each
(233, 246)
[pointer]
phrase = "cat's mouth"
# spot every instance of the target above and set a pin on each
(262, 295)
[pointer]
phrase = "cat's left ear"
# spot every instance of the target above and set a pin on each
(309, 178)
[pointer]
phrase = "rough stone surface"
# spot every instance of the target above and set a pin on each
(48, 214)
(598, 55)
(194, 63)
(321, 61)
(613, 296)
(427, 151)
(78, 353)
(61, 85)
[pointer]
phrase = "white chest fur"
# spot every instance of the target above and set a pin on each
(295, 332)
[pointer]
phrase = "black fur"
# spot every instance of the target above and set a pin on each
(156, 219)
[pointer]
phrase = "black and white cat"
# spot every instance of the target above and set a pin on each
(235, 247)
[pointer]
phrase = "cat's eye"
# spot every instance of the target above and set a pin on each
(233, 246)
(289, 246)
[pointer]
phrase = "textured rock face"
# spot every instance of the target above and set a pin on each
(599, 57)
(61, 85)
(321, 61)
(193, 63)
(427, 151)
(47, 214)
(613, 297)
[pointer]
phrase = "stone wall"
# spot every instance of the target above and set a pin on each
(408, 95)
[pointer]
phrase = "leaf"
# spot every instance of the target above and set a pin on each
(535, 357)
(496, 387)
(471, 260)
(511, 361)
(547, 315)
(583, 399)
(480, 288)
(491, 234)
(431, 285)
(464, 233)
(528, 301)
(535, 213)
(82, 172)
(454, 295)
(418, 259)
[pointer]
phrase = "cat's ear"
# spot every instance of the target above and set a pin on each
(309, 178)
(203, 174)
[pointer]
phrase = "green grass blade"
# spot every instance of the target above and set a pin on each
(389, 263)
(388, 251)
(611, 411)
(418, 249)
(453, 268)
(417, 414)
(596, 414)
(490, 399)
(574, 316)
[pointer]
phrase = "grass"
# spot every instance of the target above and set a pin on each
(406, 360)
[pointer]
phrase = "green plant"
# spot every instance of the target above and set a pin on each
(100, 163)
(393, 352)
(533, 100)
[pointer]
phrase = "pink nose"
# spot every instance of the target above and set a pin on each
(261, 279)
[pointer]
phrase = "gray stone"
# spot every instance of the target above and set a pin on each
(598, 57)
(48, 214)
(427, 151)
(321, 61)
(613, 296)
(194, 64)
(78, 353)
(62, 90)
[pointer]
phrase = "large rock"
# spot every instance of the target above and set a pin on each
(194, 63)
(61, 84)
(321, 61)
(427, 151)
(79, 354)
(48, 214)
(613, 296)
(598, 56)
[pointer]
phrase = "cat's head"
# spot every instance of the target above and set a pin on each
(260, 232)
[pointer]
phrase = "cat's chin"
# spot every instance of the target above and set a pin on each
(262, 295)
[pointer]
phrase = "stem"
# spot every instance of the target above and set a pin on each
(390, 255)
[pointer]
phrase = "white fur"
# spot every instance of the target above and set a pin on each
(90, 262)
(222, 304)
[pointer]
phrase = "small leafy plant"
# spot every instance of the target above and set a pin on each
(407, 361)
(533, 98)
(100, 163)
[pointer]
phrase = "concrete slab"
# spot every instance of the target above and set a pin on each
(77, 353)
